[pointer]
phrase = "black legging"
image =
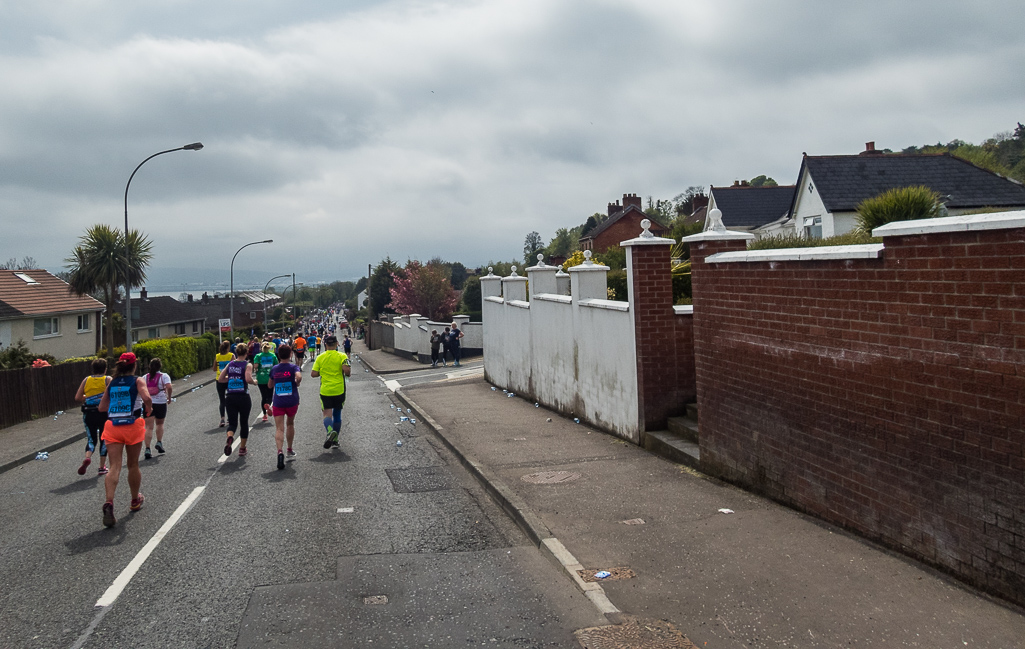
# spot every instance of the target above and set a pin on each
(238, 406)
(266, 396)
(222, 389)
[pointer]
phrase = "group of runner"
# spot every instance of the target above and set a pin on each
(124, 411)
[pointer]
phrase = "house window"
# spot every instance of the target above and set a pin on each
(252, 315)
(135, 335)
(195, 326)
(179, 329)
(154, 332)
(813, 227)
(43, 327)
(83, 322)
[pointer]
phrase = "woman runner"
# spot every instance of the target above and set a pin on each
(263, 362)
(285, 378)
(158, 384)
(89, 394)
(236, 377)
(125, 401)
(221, 361)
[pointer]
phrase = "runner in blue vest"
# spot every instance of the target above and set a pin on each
(126, 401)
(237, 377)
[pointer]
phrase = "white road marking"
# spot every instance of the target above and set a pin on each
(126, 575)
(392, 385)
(346, 510)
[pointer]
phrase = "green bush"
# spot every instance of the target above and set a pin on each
(853, 238)
(898, 204)
(206, 349)
(178, 355)
(18, 356)
(616, 280)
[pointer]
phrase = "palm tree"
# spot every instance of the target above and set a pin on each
(102, 265)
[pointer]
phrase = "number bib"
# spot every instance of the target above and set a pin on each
(236, 385)
(283, 389)
(120, 410)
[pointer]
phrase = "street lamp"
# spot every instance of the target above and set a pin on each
(195, 146)
(265, 287)
(231, 290)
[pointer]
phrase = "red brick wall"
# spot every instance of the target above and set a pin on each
(884, 395)
(625, 228)
(665, 341)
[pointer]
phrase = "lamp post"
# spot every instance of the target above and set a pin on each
(265, 287)
(231, 289)
(195, 146)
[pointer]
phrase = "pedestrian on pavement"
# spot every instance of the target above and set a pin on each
(126, 402)
(263, 362)
(453, 342)
(221, 361)
(445, 342)
(333, 367)
(435, 347)
(285, 378)
(90, 391)
(158, 385)
(237, 377)
(347, 344)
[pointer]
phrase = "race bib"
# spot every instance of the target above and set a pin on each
(283, 389)
(120, 410)
(236, 385)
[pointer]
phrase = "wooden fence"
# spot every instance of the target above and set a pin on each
(39, 392)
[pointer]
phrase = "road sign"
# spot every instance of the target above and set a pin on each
(225, 324)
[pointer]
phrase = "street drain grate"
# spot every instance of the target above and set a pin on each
(615, 574)
(550, 477)
(419, 480)
(634, 633)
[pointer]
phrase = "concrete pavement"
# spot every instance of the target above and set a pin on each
(728, 568)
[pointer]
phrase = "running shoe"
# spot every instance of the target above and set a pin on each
(265, 417)
(85, 465)
(227, 446)
(160, 447)
(243, 451)
(103, 471)
(137, 503)
(108, 515)
(281, 461)
(222, 424)
(148, 454)
(329, 440)
(290, 454)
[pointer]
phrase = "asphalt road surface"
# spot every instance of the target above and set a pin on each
(370, 545)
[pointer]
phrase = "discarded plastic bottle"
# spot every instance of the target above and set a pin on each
(412, 421)
(576, 421)
(174, 399)
(398, 443)
(60, 412)
(511, 394)
(392, 406)
(42, 455)
(602, 574)
(409, 410)
(403, 418)
(493, 388)
(537, 405)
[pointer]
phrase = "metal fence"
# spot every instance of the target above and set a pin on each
(39, 392)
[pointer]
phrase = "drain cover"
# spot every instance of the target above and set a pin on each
(634, 633)
(550, 477)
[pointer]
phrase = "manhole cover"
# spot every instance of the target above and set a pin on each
(634, 633)
(432, 478)
(614, 574)
(550, 477)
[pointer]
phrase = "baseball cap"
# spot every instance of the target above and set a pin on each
(127, 357)
(331, 340)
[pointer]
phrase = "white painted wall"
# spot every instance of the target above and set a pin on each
(68, 343)
(413, 333)
(809, 204)
(573, 354)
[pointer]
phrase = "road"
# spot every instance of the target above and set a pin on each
(231, 552)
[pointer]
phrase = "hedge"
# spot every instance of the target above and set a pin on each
(179, 356)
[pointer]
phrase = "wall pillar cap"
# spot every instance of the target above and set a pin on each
(561, 273)
(715, 230)
(646, 238)
(588, 264)
(514, 277)
(541, 265)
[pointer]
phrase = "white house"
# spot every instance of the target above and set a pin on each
(829, 188)
(749, 209)
(39, 309)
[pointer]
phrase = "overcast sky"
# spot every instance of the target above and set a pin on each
(347, 131)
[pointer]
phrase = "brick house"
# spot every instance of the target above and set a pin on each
(623, 223)
(39, 308)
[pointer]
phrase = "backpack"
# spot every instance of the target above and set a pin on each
(153, 385)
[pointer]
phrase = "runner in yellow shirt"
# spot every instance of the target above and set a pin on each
(332, 367)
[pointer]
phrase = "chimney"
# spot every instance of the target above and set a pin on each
(190, 297)
(205, 297)
(632, 199)
(869, 147)
(736, 183)
(142, 294)
(744, 183)
(698, 202)
(614, 208)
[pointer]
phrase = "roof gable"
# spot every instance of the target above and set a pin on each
(618, 216)
(44, 294)
(844, 181)
(750, 207)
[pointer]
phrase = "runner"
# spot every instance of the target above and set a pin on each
(158, 384)
(333, 367)
(237, 377)
(314, 344)
(221, 361)
(263, 362)
(347, 344)
(89, 394)
(126, 400)
(299, 348)
(285, 378)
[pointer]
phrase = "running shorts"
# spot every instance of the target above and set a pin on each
(288, 411)
(160, 411)
(129, 434)
(333, 401)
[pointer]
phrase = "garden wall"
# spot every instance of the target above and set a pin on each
(879, 387)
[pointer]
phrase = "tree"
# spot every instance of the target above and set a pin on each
(561, 245)
(763, 181)
(590, 224)
(104, 262)
(27, 263)
(424, 290)
(380, 286)
(459, 275)
(472, 296)
(532, 245)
